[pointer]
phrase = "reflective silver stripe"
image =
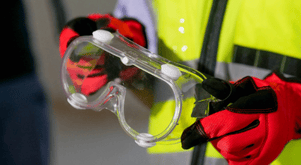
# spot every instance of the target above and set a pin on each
(226, 71)
(267, 60)
(182, 158)
(192, 63)
(235, 71)
(215, 161)
(163, 92)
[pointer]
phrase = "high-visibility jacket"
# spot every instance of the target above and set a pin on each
(253, 38)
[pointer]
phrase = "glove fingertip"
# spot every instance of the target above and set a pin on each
(217, 87)
(191, 136)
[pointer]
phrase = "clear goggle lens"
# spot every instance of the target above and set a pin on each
(150, 105)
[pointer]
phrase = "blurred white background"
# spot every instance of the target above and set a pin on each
(77, 137)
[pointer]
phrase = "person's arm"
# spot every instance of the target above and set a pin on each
(253, 122)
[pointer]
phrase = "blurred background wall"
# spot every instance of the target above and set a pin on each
(77, 137)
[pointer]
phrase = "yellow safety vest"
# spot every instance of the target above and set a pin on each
(265, 25)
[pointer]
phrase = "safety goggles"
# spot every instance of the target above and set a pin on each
(108, 71)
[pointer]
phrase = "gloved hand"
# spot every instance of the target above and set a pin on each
(252, 124)
(107, 67)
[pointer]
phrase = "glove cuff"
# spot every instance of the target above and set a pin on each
(279, 77)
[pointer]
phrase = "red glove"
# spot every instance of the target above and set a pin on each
(107, 67)
(260, 117)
